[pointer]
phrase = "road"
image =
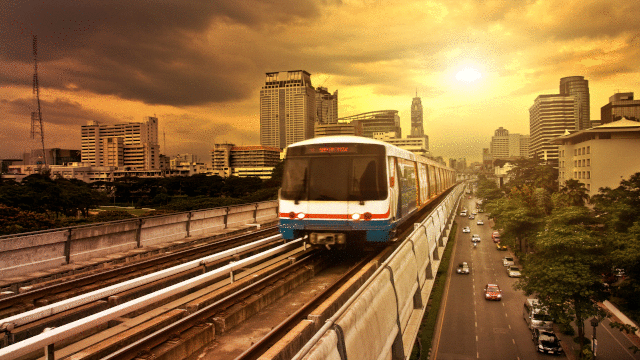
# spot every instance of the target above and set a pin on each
(470, 327)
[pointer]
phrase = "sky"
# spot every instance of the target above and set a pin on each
(198, 66)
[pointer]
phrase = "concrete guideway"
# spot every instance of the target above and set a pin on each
(387, 310)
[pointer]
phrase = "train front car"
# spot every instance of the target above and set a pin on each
(336, 190)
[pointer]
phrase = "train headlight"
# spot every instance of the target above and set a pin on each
(301, 216)
(355, 216)
(292, 215)
(367, 216)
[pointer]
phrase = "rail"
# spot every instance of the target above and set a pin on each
(21, 254)
(52, 336)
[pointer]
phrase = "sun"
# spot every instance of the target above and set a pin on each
(468, 75)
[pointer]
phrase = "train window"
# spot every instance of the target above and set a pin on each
(334, 177)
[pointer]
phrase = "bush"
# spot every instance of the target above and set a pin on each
(14, 220)
(112, 215)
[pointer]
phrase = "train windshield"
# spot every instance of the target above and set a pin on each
(335, 173)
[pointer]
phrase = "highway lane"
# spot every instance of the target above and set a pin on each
(471, 327)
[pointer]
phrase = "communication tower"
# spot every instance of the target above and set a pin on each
(36, 116)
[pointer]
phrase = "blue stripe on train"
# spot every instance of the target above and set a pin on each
(376, 230)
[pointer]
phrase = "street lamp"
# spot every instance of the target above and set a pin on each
(594, 341)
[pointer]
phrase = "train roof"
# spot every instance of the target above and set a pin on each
(391, 149)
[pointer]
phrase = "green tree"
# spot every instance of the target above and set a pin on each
(566, 271)
(572, 193)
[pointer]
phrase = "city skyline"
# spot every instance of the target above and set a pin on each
(199, 69)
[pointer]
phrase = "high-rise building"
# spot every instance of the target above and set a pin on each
(621, 105)
(579, 88)
(133, 145)
(382, 121)
(505, 145)
(326, 106)
(417, 129)
(287, 108)
(549, 117)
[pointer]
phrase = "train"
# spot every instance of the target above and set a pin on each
(339, 190)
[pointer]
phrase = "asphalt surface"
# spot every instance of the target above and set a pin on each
(470, 327)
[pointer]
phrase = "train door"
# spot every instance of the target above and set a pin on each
(424, 184)
(432, 181)
(407, 182)
(394, 198)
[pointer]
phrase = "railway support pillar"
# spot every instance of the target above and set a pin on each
(255, 214)
(226, 216)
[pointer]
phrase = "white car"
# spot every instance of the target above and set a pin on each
(480, 222)
(507, 261)
(475, 237)
(474, 212)
(513, 271)
(463, 213)
(466, 229)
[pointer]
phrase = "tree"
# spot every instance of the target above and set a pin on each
(572, 193)
(566, 271)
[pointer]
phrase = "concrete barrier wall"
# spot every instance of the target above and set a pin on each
(374, 322)
(28, 253)
(22, 254)
(101, 240)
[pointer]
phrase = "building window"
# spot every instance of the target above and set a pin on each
(575, 152)
(588, 174)
(588, 149)
(588, 162)
(589, 187)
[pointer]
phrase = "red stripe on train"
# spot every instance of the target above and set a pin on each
(335, 216)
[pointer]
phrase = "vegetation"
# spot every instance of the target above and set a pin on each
(422, 348)
(40, 202)
(570, 250)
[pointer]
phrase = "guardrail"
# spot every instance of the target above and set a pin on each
(385, 313)
(21, 254)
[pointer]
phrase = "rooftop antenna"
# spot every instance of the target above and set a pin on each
(36, 116)
(164, 136)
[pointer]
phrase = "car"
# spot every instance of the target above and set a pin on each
(466, 229)
(513, 271)
(471, 217)
(475, 212)
(492, 292)
(495, 236)
(480, 222)
(463, 268)
(507, 261)
(475, 238)
(463, 213)
(480, 210)
(546, 341)
(501, 247)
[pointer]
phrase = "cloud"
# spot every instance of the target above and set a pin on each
(154, 52)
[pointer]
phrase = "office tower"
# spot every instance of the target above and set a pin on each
(382, 121)
(287, 108)
(326, 106)
(505, 145)
(133, 145)
(417, 129)
(579, 88)
(621, 105)
(549, 117)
